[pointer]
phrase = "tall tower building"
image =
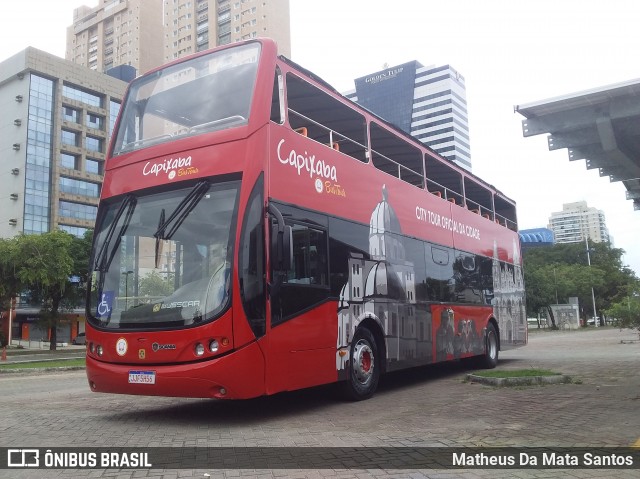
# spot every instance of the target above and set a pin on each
(117, 32)
(54, 130)
(576, 222)
(428, 103)
(191, 26)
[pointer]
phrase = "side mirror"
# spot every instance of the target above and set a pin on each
(281, 247)
(281, 241)
(287, 248)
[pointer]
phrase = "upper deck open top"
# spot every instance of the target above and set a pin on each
(247, 85)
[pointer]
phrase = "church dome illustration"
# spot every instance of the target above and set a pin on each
(384, 231)
(384, 218)
(382, 281)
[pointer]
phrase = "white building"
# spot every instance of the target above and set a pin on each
(576, 222)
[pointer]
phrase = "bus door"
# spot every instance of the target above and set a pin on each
(303, 325)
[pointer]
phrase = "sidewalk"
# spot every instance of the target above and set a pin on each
(32, 351)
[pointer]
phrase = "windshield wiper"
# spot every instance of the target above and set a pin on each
(102, 263)
(181, 212)
(104, 259)
(160, 223)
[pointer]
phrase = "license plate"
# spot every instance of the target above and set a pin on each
(142, 377)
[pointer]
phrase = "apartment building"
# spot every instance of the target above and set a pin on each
(54, 131)
(148, 33)
(191, 26)
(117, 32)
(578, 221)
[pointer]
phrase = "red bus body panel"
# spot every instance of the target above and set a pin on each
(358, 189)
(301, 352)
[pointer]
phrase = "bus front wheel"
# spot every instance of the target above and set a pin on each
(364, 366)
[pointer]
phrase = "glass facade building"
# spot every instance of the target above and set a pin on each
(39, 153)
(428, 103)
(54, 132)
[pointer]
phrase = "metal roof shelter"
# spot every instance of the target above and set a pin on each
(601, 125)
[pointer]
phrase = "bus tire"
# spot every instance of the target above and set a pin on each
(489, 359)
(364, 366)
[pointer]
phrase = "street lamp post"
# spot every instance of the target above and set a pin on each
(593, 296)
(126, 288)
(12, 305)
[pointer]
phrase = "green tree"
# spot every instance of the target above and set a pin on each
(626, 310)
(554, 274)
(53, 268)
(10, 285)
(80, 251)
(156, 285)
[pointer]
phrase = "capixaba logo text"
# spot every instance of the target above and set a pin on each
(172, 167)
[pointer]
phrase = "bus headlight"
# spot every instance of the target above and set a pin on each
(213, 346)
(99, 350)
(199, 349)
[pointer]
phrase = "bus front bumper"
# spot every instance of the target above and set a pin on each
(237, 375)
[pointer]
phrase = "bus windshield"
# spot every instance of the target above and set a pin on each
(204, 94)
(163, 260)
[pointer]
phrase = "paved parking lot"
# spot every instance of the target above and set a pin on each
(428, 407)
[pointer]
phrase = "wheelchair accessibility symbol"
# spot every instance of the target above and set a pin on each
(105, 305)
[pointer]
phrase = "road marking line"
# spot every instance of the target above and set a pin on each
(637, 443)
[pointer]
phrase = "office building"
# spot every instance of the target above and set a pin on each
(428, 103)
(576, 222)
(191, 26)
(117, 32)
(54, 131)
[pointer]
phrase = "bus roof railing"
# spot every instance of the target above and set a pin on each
(418, 178)
(481, 201)
(332, 141)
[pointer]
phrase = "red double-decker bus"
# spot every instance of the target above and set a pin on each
(258, 232)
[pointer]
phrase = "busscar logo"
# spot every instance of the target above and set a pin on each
(23, 458)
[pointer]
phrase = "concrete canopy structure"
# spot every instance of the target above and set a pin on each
(601, 125)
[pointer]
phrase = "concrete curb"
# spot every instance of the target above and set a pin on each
(43, 360)
(41, 370)
(520, 381)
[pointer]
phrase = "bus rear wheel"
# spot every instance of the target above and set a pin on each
(364, 366)
(489, 359)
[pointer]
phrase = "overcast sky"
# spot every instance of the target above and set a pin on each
(510, 52)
